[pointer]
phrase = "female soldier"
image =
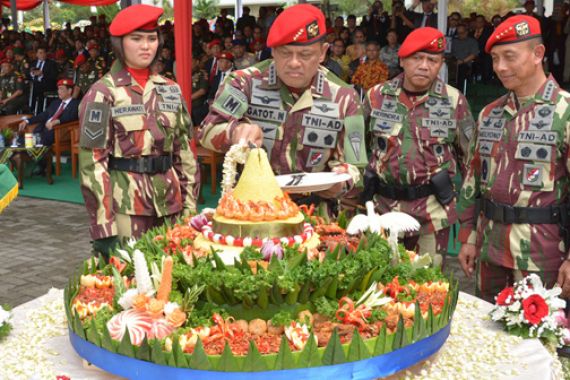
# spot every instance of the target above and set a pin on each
(137, 168)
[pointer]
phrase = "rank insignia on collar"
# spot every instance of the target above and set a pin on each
(522, 29)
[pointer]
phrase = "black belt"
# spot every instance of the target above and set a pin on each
(146, 165)
(507, 214)
(405, 193)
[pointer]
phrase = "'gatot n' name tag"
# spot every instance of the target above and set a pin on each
(325, 123)
(543, 137)
(135, 109)
(262, 113)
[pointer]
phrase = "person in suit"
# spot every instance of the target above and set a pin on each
(427, 17)
(225, 67)
(60, 111)
(43, 74)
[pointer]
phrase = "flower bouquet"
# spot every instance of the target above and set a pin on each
(5, 326)
(530, 310)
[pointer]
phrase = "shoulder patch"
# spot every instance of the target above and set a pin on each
(231, 102)
(94, 125)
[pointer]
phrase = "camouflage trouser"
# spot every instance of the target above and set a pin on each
(491, 279)
(135, 225)
(434, 243)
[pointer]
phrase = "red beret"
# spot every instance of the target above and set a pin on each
(214, 43)
(92, 45)
(300, 24)
(514, 29)
(65, 82)
(135, 17)
(226, 55)
(427, 39)
(79, 60)
(59, 53)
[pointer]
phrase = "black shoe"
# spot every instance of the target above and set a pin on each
(39, 171)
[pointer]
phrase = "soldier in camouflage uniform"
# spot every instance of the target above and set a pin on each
(519, 171)
(21, 64)
(64, 65)
(96, 60)
(137, 168)
(86, 76)
(12, 94)
(420, 130)
(306, 118)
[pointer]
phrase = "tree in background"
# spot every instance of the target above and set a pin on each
(207, 9)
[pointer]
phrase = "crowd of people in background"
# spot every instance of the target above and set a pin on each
(364, 49)
(31, 64)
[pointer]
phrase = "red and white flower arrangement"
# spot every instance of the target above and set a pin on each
(530, 310)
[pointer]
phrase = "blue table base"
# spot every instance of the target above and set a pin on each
(379, 366)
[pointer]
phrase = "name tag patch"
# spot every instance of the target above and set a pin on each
(388, 116)
(135, 109)
(538, 137)
(534, 152)
(269, 114)
(326, 123)
(172, 89)
(490, 134)
(168, 107)
(439, 124)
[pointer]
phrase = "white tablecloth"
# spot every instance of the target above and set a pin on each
(39, 348)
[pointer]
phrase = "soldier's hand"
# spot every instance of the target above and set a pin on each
(564, 278)
(467, 256)
(248, 133)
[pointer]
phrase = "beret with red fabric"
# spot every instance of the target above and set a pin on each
(426, 39)
(214, 43)
(514, 29)
(92, 45)
(79, 60)
(300, 24)
(135, 17)
(65, 82)
(59, 53)
(226, 55)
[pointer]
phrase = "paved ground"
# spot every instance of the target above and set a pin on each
(43, 242)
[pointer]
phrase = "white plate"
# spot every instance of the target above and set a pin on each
(310, 182)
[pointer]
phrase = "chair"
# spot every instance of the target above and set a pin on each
(209, 157)
(63, 142)
(74, 151)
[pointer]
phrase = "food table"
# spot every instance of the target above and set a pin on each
(20, 155)
(39, 347)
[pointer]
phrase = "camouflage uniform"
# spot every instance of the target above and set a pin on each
(9, 84)
(518, 158)
(65, 69)
(120, 120)
(313, 132)
(85, 80)
(412, 140)
(99, 64)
